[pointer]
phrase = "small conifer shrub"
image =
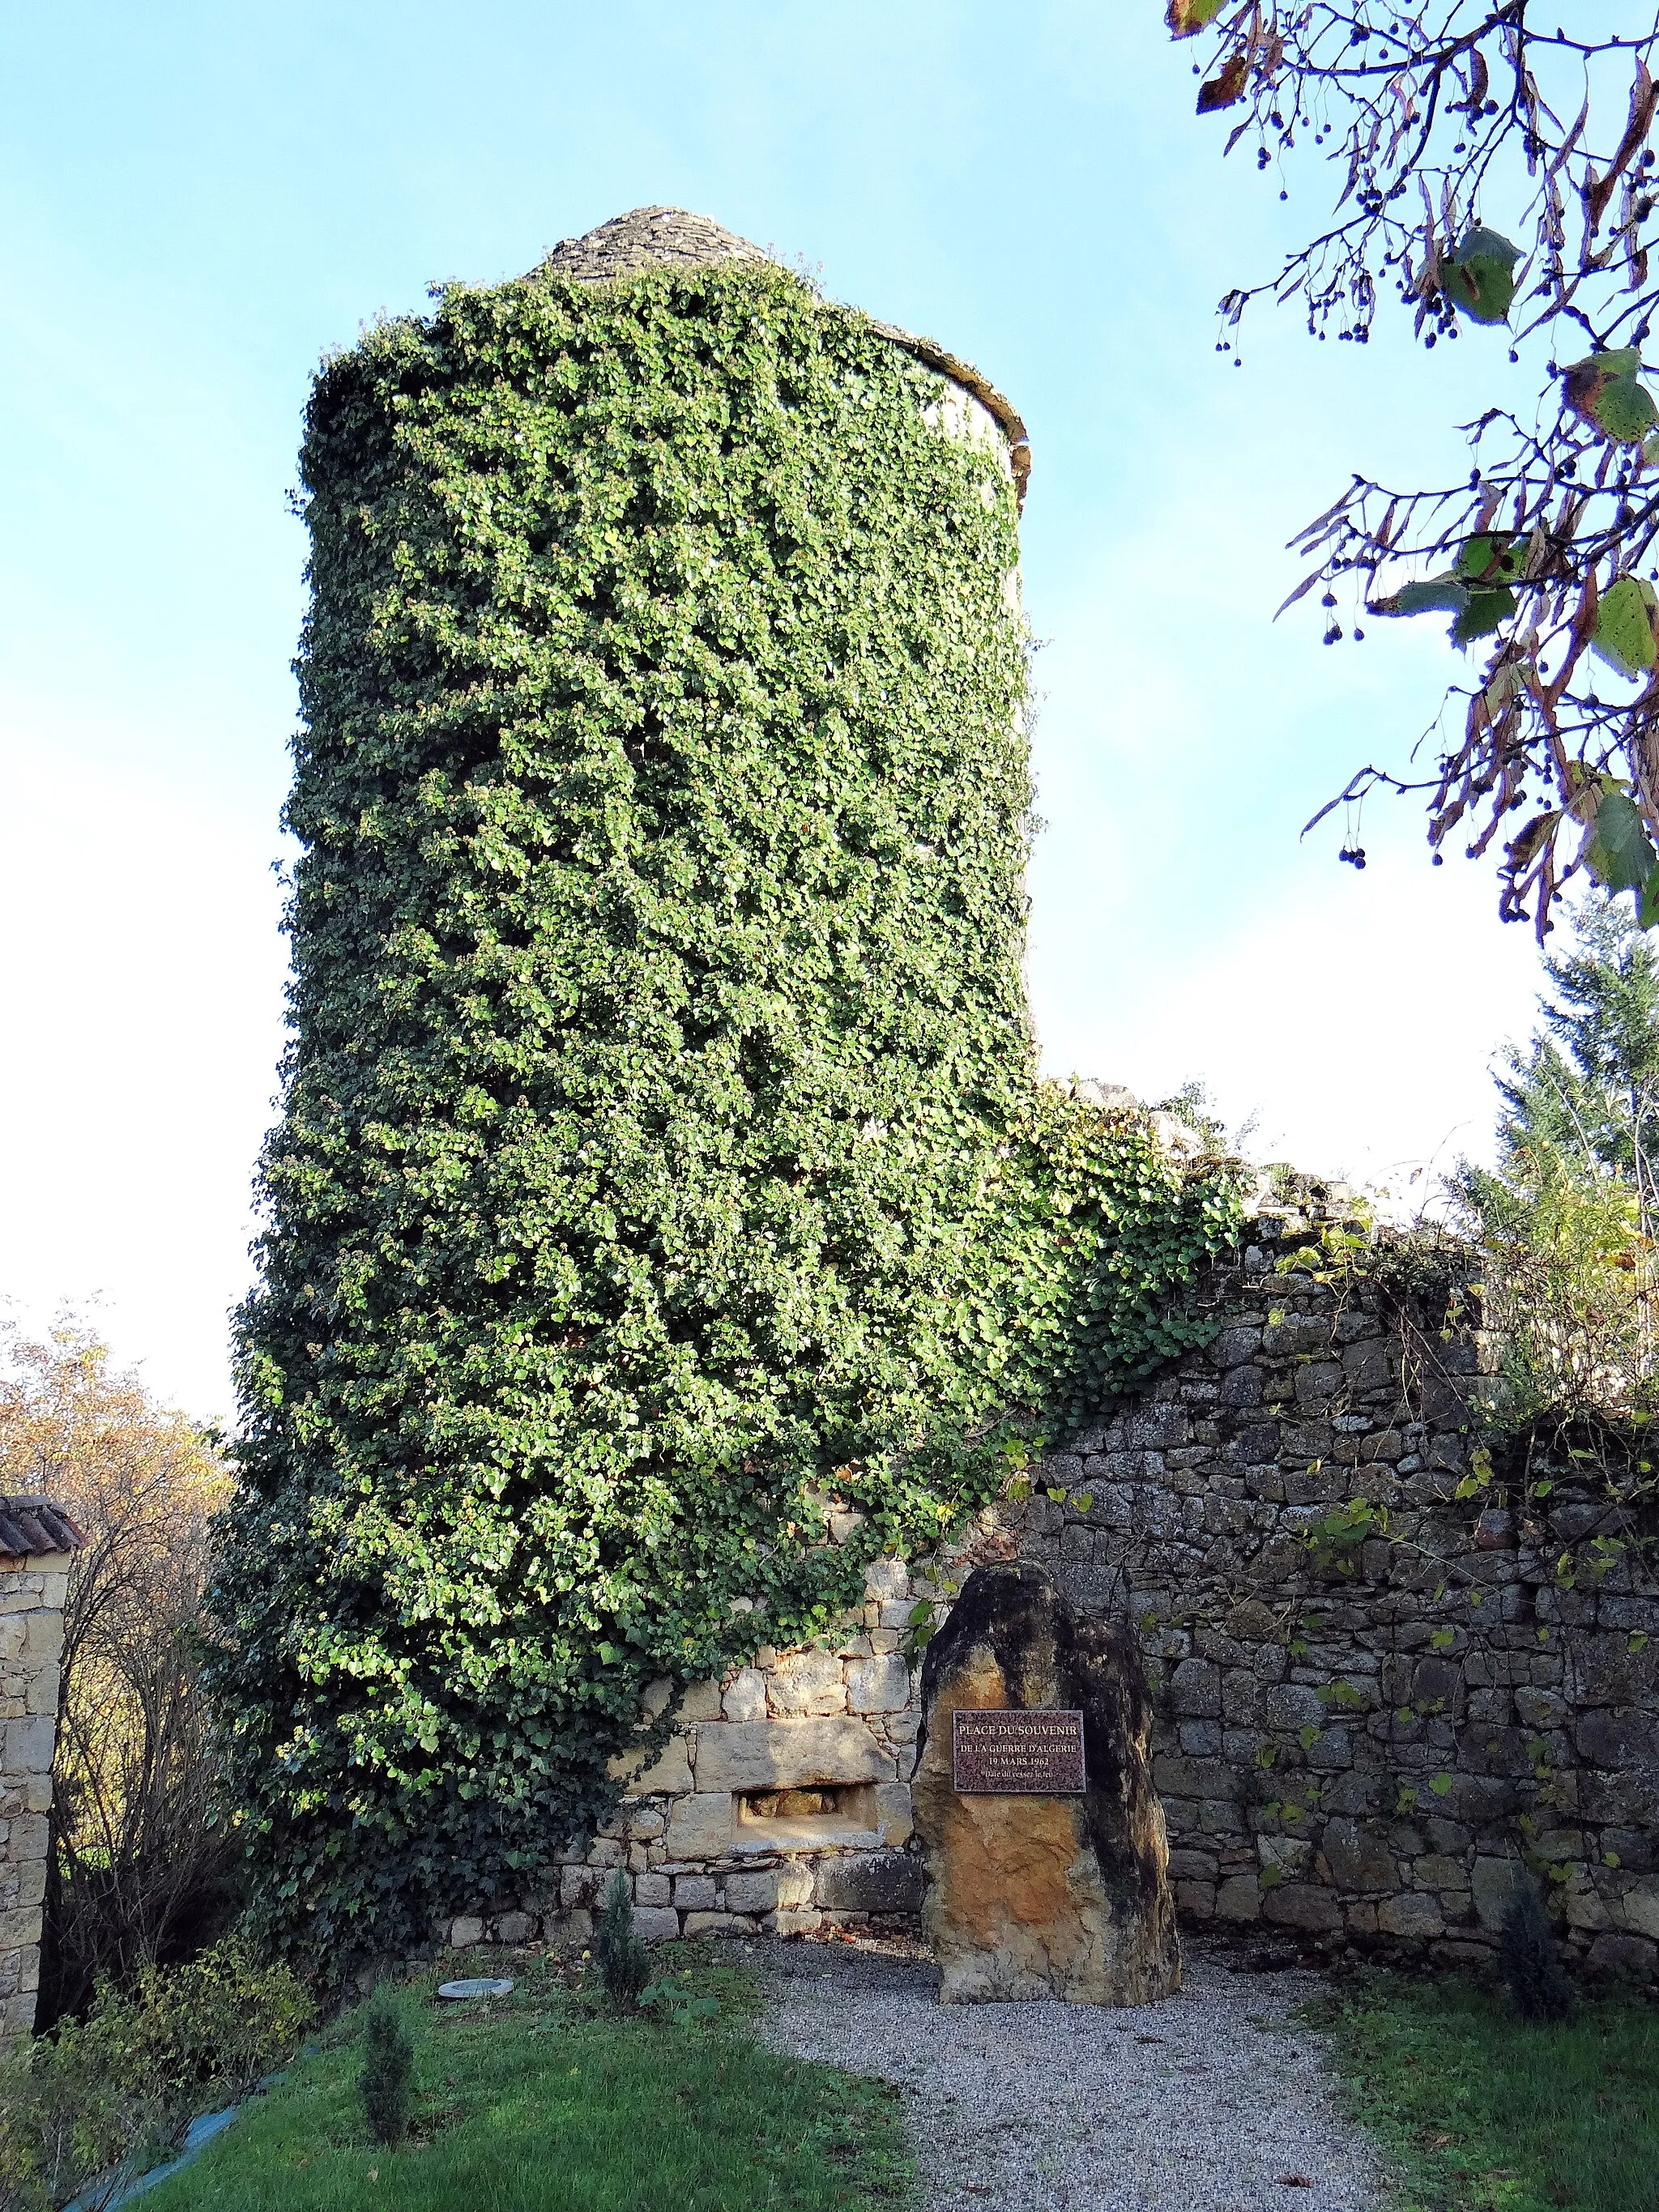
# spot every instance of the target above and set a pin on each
(1526, 1957)
(625, 1967)
(386, 2082)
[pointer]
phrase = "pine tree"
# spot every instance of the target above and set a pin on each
(1568, 1217)
(1587, 1087)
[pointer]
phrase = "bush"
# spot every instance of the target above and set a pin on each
(624, 1966)
(387, 2081)
(1527, 1959)
(99, 2096)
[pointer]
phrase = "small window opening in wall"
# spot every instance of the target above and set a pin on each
(812, 1813)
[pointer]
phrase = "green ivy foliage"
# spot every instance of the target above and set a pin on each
(661, 1153)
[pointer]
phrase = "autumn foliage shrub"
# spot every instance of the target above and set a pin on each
(141, 1869)
(82, 2108)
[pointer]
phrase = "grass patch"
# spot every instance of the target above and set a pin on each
(1481, 2112)
(546, 2102)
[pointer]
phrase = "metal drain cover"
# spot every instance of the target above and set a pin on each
(482, 1988)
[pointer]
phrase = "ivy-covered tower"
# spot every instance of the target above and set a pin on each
(655, 1161)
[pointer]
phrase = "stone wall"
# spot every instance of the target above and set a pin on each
(783, 1798)
(32, 1591)
(1376, 1699)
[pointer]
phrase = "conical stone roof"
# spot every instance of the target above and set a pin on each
(644, 238)
(649, 237)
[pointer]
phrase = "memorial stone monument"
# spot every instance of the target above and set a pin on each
(1044, 1839)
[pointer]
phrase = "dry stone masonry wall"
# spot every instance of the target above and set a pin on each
(36, 1541)
(1377, 1700)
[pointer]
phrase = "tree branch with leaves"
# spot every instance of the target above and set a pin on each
(1495, 174)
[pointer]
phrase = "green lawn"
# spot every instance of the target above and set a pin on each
(1478, 2110)
(544, 2102)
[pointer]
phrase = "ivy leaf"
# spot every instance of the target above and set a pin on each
(1603, 389)
(1226, 87)
(1440, 1783)
(1623, 635)
(1083, 1500)
(1444, 1638)
(1480, 278)
(1186, 18)
(1309, 1737)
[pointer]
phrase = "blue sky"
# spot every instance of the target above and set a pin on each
(199, 201)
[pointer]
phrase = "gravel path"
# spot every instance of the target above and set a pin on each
(1210, 2102)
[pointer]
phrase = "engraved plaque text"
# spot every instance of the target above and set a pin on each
(1037, 1752)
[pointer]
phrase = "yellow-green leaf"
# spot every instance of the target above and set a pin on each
(1186, 18)
(1623, 635)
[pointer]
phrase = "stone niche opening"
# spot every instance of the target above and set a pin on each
(804, 1815)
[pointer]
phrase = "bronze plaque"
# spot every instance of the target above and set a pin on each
(1036, 1753)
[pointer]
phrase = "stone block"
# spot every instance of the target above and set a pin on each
(653, 1889)
(670, 1770)
(515, 1928)
(656, 1924)
(1301, 1904)
(739, 1755)
(807, 1684)
(751, 1892)
(743, 1698)
(1358, 1859)
(1196, 1690)
(1638, 1908)
(893, 1814)
(793, 1923)
(1412, 1915)
(702, 1702)
(887, 1579)
(1623, 1954)
(879, 1685)
(1238, 1898)
(27, 1836)
(716, 1923)
(1193, 1866)
(29, 1745)
(1438, 1871)
(700, 1826)
(871, 1881)
(695, 1893)
(1293, 1705)
(465, 1931)
(44, 1635)
(1603, 1739)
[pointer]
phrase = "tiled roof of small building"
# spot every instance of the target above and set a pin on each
(649, 236)
(29, 1526)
